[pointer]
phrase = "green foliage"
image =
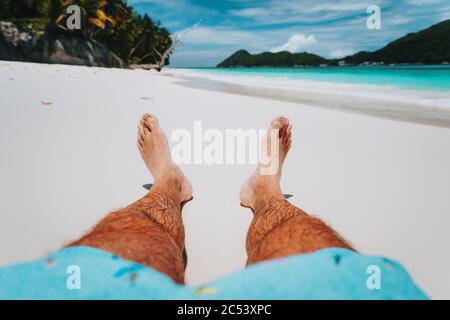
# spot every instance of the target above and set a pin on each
(242, 58)
(429, 46)
(5, 9)
(136, 39)
(113, 23)
(17, 8)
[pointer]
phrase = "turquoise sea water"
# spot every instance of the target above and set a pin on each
(408, 77)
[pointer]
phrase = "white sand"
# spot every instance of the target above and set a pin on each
(383, 184)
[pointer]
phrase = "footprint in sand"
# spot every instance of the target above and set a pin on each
(147, 98)
(46, 103)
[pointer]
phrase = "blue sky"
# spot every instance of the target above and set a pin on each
(328, 28)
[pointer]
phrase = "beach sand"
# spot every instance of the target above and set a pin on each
(68, 146)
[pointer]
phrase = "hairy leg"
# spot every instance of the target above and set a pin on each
(149, 231)
(278, 228)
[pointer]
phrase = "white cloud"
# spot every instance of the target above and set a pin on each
(341, 53)
(296, 43)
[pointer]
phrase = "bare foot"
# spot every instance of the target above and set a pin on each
(154, 148)
(260, 184)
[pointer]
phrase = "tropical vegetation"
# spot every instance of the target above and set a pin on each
(135, 38)
(429, 46)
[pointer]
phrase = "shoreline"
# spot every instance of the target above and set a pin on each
(343, 97)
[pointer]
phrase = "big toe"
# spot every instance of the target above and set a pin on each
(151, 121)
(279, 122)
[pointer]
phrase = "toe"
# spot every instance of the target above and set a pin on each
(146, 131)
(289, 129)
(283, 132)
(140, 141)
(151, 121)
(142, 132)
(279, 122)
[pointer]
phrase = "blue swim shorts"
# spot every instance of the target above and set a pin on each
(89, 273)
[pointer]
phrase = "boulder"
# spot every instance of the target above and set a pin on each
(64, 48)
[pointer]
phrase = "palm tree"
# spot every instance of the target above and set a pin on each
(95, 14)
(134, 38)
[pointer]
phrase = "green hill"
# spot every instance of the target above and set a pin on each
(429, 46)
(243, 58)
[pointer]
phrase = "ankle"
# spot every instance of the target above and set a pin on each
(168, 171)
(267, 185)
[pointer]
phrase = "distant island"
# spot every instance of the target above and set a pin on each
(429, 46)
